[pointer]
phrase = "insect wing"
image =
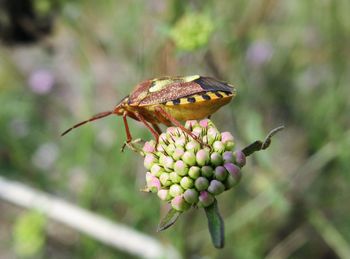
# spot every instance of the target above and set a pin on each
(168, 89)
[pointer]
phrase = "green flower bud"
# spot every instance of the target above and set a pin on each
(207, 171)
(165, 179)
(205, 199)
(171, 131)
(190, 124)
(226, 136)
(231, 181)
(162, 138)
(206, 123)
(168, 163)
(228, 157)
(194, 172)
(149, 176)
(189, 158)
(216, 187)
(178, 153)
(175, 190)
(201, 183)
(180, 168)
(156, 170)
(170, 149)
(216, 159)
(218, 146)
(197, 131)
(202, 157)
(154, 185)
(164, 195)
(240, 158)
(212, 131)
(149, 147)
(179, 203)
(213, 135)
(150, 159)
(161, 148)
(193, 145)
(174, 177)
(162, 158)
(191, 196)
(229, 145)
(186, 183)
(220, 173)
(180, 141)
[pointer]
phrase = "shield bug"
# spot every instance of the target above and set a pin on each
(168, 100)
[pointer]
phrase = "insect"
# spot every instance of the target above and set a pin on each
(167, 101)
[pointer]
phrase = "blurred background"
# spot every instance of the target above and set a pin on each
(63, 61)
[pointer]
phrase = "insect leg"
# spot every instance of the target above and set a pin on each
(176, 123)
(128, 135)
(156, 127)
(153, 131)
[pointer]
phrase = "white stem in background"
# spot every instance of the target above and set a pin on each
(102, 229)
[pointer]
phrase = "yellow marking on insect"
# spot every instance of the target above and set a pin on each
(198, 98)
(198, 109)
(160, 83)
(190, 78)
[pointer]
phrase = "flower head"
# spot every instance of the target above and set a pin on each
(188, 172)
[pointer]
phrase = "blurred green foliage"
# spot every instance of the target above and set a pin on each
(192, 31)
(290, 63)
(28, 234)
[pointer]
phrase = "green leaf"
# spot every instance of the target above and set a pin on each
(169, 219)
(216, 225)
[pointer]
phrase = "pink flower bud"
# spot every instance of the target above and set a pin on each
(205, 199)
(204, 123)
(226, 136)
(154, 185)
(190, 124)
(179, 203)
(149, 147)
(240, 158)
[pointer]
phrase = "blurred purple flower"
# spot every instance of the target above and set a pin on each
(259, 53)
(41, 81)
(45, 156)
(19, 127)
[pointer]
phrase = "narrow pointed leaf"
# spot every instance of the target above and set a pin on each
(216, 225)
(169, 219)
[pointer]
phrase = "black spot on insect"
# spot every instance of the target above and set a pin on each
(206, 97)
(176, 101)
(218, 94)
(191, 99)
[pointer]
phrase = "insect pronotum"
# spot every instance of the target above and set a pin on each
(168, 100)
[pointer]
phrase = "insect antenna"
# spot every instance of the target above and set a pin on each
(93, 118)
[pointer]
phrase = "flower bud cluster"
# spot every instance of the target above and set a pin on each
(188, 172)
